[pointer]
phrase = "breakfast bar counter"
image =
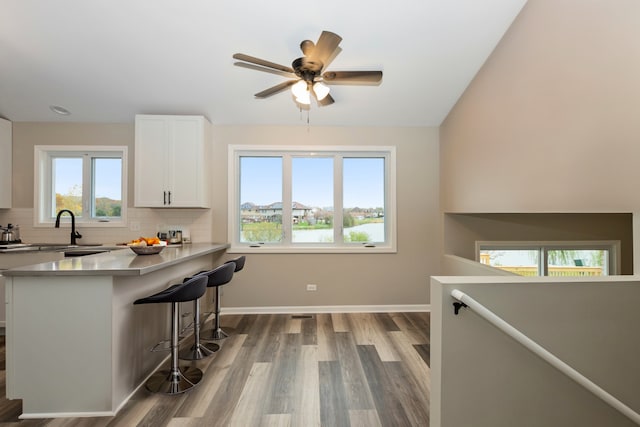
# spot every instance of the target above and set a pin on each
(76, 345)
(121, 262)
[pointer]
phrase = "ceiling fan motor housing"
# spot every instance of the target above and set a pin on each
(307, 69)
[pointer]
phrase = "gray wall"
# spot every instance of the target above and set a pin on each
(461, 231)
(344, 279)
(550, 122)
(481, 377)
(274, 280)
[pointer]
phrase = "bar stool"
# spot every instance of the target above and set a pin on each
(217, 333)
(176, 380)
(201, 350)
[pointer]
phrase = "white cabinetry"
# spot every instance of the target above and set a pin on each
(5, 163)
(172, 161)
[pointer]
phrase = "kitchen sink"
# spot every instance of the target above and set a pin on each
(72, 250)
(75, 252)
(62, 245)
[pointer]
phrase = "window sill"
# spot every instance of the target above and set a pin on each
(245, 249)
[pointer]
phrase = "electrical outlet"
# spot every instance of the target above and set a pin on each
(312, 287)
(134, 225)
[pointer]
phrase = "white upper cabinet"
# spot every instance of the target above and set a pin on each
(5, 163)
(172, 161)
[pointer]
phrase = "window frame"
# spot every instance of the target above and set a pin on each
(287, 246)
(543, 247)
(43, 185)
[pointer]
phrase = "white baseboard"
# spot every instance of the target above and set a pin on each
(308, 309)
(38, 415)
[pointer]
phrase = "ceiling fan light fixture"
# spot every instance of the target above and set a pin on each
(304, 98)
(299, 89)
(321, 90)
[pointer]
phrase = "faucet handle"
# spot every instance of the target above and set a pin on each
(77, 235)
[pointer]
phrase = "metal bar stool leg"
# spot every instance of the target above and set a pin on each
(198, 350)
(221, 276)
(174, 381)
(216, 333)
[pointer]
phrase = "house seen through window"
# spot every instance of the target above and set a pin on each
(320, 199)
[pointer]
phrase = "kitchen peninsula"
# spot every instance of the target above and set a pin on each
(76, 344)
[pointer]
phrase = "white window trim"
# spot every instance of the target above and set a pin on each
(234, 153)
(613, 246)
(42, 155)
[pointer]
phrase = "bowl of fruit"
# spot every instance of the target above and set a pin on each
(147, 245)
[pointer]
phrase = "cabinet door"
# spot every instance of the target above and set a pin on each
(188, 151)
(151, 161)
(5, 163)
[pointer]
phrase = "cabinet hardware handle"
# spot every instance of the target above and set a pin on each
(169, 197)
(164, 197)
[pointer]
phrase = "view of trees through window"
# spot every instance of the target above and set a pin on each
(558, 262)
(312, 214)
(105, 186)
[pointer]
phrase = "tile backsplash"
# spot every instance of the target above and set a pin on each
(196, 224)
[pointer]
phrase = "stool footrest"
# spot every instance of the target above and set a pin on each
(164, 345)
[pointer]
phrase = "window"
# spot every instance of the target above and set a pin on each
(551, 258)
(312, 199)
(89, 181)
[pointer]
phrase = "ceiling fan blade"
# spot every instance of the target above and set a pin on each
(325, 47)
(264, 69)
(262, 62)
(329, 60)
(275, 89)
(352, 77)
(327, 100)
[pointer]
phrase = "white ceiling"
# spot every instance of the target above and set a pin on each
(107, 60)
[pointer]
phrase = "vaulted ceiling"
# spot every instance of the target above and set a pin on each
(107, 60)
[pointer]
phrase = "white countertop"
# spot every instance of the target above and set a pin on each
(119, 262)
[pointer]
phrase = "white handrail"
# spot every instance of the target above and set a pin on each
(545, 355)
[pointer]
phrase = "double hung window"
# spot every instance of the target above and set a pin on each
(88, 181)
(312, 199)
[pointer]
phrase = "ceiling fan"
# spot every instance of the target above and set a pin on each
(308, 74)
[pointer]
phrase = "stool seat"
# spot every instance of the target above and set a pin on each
(175, 380)
(239, 262)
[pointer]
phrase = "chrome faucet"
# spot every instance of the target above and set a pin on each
(74, 234)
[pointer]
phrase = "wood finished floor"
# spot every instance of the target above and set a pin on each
(278, 370)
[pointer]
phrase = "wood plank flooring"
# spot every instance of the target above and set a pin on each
(331, 370)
